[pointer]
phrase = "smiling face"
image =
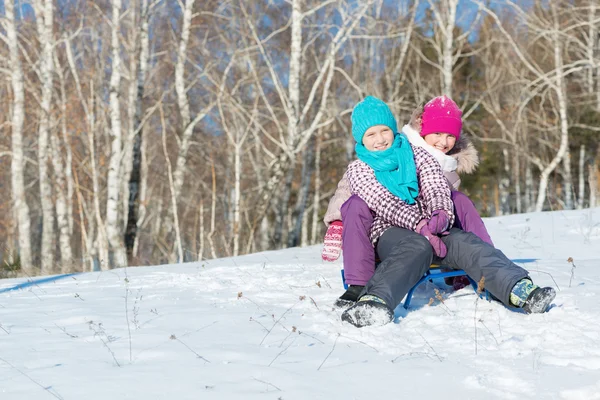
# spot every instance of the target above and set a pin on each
(378, 138)
(441, 141)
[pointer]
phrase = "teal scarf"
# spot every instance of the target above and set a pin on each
(394, 167)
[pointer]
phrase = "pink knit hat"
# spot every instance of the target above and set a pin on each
(441, 115)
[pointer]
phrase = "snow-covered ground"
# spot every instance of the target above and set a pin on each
(262, 327)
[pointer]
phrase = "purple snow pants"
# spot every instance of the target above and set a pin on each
(358, 252)
(467, 218)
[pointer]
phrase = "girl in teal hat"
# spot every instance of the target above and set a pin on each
(413, 214)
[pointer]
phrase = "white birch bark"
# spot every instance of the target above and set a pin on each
(132, 88)
(44, 11)
(67, 169)
(133, 156)
(172, 189)
(302, 199)
(66, 252)
(593, 46)
(201, 234)
(187, 123)
(213, 212)
(581, 179)
(564, 128)
(317, 192)
(293, 113)
(20, 207)
(113, 226)
(448, 50)
(237, 167)
(529, 189)
(568, 180)
(504, 185)
(517, 182)
(143, 209)
(593, 177)
(63, 189)
(101, 241)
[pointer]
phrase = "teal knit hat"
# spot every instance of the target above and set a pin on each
(370, 112)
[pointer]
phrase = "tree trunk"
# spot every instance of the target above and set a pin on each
(516, 173)
(504, 185)
(113, 227)
(135, 131)
(593, 178)
(21, 210)
(44, 21)
(302, 197)
(172, 190)
(65, 170)
(568, 181)
(529, 189)
(564, 128)
(283, 208)
(317, 192)
(581, 179)
(64, 204)
(447, 53)
(66, 253)
(101, 240)
(593, 44)
(237, 167)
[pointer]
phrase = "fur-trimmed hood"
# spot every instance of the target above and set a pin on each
(465, 154)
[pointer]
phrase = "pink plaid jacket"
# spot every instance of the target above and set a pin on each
(434, 194)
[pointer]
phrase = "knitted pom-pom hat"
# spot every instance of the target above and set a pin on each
(370, 112)
(441, 115)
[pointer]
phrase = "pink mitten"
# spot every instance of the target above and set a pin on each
(439, 248)
(332, 243)
(439, 222)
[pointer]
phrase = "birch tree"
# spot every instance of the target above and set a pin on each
(447, 46)
(133, 159)
(44, 19)
(553, 79)
(313, 113)
(20, 207)
(63, 188)
(113, 226)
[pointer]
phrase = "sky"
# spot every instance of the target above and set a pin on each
(262, 326)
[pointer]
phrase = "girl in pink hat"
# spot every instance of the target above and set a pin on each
(435, 127)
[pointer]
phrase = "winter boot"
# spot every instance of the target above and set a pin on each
(368, 310)
(349, 297)
(531, 298)
(460, 282)
(539, 300)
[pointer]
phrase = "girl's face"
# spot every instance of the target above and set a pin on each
(441, 141)
(378, 138)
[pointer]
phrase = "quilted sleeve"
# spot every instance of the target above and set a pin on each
(380, 200)
(433, 185)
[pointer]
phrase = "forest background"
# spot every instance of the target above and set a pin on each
(158, 131)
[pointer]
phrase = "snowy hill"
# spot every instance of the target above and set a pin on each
(262, 327)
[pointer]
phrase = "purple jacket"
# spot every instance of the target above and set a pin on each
(434, 194)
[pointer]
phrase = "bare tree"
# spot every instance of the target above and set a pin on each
(20, 207)
(44, 19)
(553, 79)
(113, 225)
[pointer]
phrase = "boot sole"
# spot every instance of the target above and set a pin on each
(539, 300)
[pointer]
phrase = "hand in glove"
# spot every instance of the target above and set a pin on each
(332, 243)
(439, 222)
(439, 248)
